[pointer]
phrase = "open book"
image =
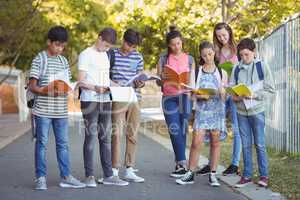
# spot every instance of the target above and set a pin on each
(244, 90)
(201, 91)
(142, 77)
(169, 75)
(60, 82)
(123, 94)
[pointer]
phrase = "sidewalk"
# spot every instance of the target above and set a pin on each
(11, 128)
(153, 161)
(252, 191)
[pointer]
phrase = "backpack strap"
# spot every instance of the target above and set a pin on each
(191, 61)
(236, 74)
(220, 72)
(259, 71)
(43, 63)
(111, 57)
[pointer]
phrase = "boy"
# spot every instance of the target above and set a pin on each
(128, 63)
(251, 120)
(94, 66)
(50, 108)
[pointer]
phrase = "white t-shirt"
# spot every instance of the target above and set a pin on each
(96, 65)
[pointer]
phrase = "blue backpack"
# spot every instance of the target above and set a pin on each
(258, 69)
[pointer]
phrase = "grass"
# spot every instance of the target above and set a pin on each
(284, 169)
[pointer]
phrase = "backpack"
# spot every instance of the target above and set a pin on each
(111, 57)
(258, 69)
(30, 96)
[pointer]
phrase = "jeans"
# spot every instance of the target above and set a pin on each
(237, 146)
(60, 129)
(177, 111)
(253, 126)
(97, 121)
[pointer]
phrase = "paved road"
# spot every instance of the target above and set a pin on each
(154, 161)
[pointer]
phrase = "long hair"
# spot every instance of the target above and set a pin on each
(207, 45)
(218, 45)
(173, 33)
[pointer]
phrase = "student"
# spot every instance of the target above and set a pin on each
(225, 47)
(252, 120)
(127, 63)
(50, 108)
(210, 114)
(176, 101)
(93, 78)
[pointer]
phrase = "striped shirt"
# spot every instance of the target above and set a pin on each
(125, 67)
(48, 106)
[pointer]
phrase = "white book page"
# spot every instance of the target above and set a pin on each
(123, 94)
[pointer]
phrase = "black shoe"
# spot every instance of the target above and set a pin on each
(188, 178)
(205, 170)
(232, 169)
(179, 172)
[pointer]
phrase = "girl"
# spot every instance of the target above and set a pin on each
(176, 101)
(210, 113)
(225, 47)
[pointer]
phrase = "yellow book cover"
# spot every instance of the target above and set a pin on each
(239, 90)
(201, 91)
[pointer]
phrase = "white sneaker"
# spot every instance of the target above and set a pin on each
(114, 180)
(40, 183)
(131, 176)
(71, 182)
(90, 182)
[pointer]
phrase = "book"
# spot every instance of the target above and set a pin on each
(60, 82)
(201, 91)
(123, 94)
(142, 77)
(169, 75)
(227, 66)
(244, 90)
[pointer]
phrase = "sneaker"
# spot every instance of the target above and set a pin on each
(90, 182)
(71, 182)
(131, 176)
(100, 180)
(205, 170)
(188, 178)
(179, 172)
(40, 183)
(231, 170)
(213, 181)
(243, 182)
(114, 180)
(263, 181)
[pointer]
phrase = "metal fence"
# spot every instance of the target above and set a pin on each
(281, 50)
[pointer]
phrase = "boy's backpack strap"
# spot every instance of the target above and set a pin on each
(43, 63)
(63, 60)
(111, 57)
(259, 70)
(236, 74)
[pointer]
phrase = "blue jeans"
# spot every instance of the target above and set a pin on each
(237, 146)
(253, 126)
(177, 111)
(60, 129)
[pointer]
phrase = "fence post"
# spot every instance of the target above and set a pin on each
(287, 107)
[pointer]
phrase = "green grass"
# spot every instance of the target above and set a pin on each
(284, 169)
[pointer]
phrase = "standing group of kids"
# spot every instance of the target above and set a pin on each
(100, 66)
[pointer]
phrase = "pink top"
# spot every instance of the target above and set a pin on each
(179, 64)
(233, 58)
